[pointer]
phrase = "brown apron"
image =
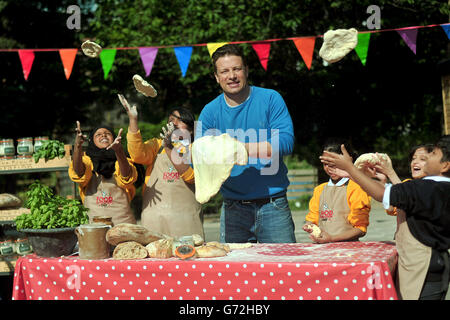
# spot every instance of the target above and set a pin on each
(413, 261)
(169, 204)
(334, 210)
(104, 198)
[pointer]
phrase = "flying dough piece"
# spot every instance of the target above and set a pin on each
(143, 86)
(370, 158)
(91, 49)
(338, 43)
(213, 157)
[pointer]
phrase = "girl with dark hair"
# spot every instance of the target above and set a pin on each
(169, 205)
(104, 174)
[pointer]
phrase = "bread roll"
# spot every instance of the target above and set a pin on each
(161, 249)
(198, 240)
(132, 232)
(130, 250)
(207, 251)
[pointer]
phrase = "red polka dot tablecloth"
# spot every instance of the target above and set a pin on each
(300, 271)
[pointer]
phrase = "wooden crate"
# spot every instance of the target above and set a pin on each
(28, 165)
(8, 263)
(11, 214)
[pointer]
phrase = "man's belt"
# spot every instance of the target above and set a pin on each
(260, 201)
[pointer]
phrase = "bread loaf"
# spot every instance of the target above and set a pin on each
(8, 200)
(161, 249)
(219, 245)
(237, 246)
(130, 250)
(207, 251)
(132, 232)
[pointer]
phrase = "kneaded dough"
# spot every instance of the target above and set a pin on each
(91, 49)
(206, 251)
(144, 87)
(237, 246)
(338, 43)
(213, 157)
(370, 158)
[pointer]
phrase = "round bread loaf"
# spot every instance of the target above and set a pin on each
(207, 251)
(130, 250)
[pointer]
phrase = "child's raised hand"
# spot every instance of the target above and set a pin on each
(80, 137)
(117, 142)
(131, 111)
(342, 161)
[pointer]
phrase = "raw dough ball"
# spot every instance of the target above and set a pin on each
(370, 158)
(338, 43)
(91, 49)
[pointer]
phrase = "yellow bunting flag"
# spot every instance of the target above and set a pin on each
(212, 47)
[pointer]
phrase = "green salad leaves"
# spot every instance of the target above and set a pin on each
(50, 149)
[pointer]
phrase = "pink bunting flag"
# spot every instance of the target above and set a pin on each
(305, 47)
(148, 56)
(262, 50)
(26, 58)
(68, 58)
(410, 37)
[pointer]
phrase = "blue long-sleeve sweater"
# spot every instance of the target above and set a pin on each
(262, 117)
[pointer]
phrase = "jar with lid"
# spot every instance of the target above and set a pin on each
(6, 248)
(25, 146)
(23, 246)
(38, 141)
(8, 148)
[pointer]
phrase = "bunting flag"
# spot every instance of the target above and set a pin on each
(446, 28)
(183, 55)
(362, 47)
(305, 47)
(107, 57)
(148, 56)
(263, 51)
(214, 46)
(68, 59)
(26, 59)
(410, 37)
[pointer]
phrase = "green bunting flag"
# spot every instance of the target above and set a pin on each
(363, 46)
(107, 57)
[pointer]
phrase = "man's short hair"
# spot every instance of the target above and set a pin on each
(228, 50)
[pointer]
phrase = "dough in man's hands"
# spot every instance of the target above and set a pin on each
(213, 157)
(316, 232)
(143, 86)
(91, 49)
(338, 43)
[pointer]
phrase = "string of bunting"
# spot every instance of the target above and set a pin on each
(305, 46)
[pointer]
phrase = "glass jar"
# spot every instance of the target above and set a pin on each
(38, 141)
(8, 148)
(6, 248)
(23, 246)
(25, 146)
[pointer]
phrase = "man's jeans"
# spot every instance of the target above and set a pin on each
(268, 223)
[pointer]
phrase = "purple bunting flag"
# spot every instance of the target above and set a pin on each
(410, 37)
(148, 56)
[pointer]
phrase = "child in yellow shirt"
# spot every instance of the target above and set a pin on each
(339, 207)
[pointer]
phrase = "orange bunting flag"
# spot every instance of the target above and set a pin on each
(68, 59)
(305, 47)
(26, 59)
(263, 51)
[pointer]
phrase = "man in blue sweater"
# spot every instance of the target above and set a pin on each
(255, 207)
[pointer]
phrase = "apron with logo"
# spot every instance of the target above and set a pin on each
(413, 261)
(334, 210)
(169, 205)
(104, 198)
